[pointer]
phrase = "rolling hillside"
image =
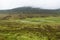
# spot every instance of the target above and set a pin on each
(31, 10)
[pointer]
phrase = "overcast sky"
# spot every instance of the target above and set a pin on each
(46, 4)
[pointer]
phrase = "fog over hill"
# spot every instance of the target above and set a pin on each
(31, 10)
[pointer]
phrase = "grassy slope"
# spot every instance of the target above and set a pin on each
(30, 29)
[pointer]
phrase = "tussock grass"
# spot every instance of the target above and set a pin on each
(30, 29)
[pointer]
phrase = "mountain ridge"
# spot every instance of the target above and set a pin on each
(30, 10)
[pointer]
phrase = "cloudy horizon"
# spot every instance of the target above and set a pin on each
(45, 4)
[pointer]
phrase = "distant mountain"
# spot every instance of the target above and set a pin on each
(31, 10)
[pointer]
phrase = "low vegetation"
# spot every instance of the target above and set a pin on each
(27, 23)
(47, 28)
